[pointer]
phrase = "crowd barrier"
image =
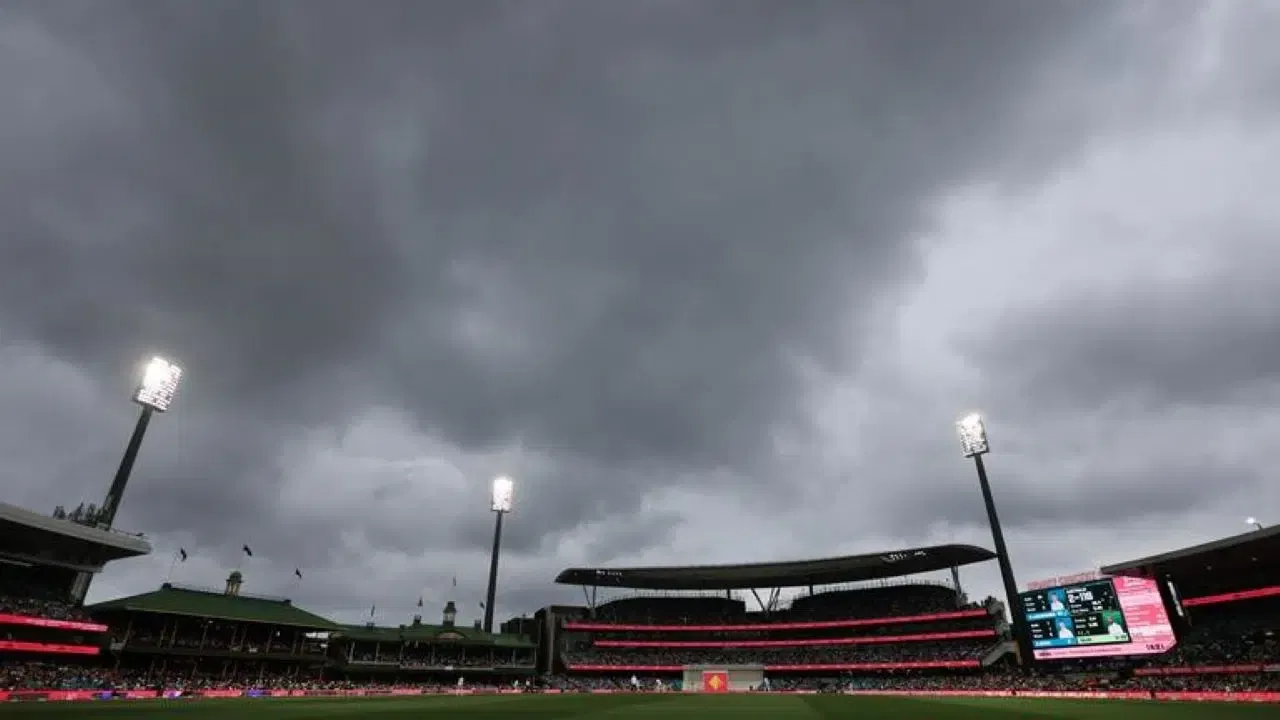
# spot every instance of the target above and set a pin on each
(1179, 696)
(806, 667)
(89, 695)
(11, 619)
(1255, 594)
(1208, 670)
(48, 648)
(86, 695)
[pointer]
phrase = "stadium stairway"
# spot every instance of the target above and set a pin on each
(1002, 648)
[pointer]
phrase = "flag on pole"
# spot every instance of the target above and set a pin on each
(419, 601)
(297, 572)
(455, 581)
(373, 610)
(182, 554)
(248, 551)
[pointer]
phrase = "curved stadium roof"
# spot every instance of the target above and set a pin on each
(795, 573)
(1211, 567)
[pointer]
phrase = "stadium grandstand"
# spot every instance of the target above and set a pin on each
(232, 639)
(185, 640)
(1224, 599)
(887, 624)
(45, 566)
(872, 622)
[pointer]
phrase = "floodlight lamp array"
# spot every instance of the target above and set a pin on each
(159, 384)
(973, 435)
(503, 494)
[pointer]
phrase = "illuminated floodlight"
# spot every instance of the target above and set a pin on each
(1253, 521)
(503, 494)
(159, 384)
(973, 435)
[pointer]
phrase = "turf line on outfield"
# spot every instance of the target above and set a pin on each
(836, 707)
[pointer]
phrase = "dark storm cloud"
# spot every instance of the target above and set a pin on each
(681, 218)
(603, 232)
(1214, 340)
(664, 218)
(1104, 491)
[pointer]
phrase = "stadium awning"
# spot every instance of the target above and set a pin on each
(797, 573)
(1233, 555)
(26, 533)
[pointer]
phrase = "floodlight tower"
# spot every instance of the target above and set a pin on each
(155, 392)
(973, 440)
(1254, 522)
(503, 493)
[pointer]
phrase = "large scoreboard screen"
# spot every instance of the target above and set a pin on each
(1097, 617)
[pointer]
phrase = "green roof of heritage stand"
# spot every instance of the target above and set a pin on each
(194, 602)
(208, 603)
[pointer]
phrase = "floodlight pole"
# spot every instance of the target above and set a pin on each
(492, 593)
(1016, 614)
(112, 504)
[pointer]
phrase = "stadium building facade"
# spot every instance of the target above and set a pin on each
(228, 636)
(699, 631)
(701, 628)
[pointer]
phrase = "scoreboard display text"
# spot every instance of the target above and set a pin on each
(1075, 615)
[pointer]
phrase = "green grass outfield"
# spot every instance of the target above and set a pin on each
(633, 707)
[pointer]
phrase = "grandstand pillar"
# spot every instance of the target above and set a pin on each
(961, 600)
(1172, 603)
(80, 587)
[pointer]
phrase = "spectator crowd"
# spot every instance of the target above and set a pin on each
(1240, 633)
(890, 600)
(35, 605)
(20, 675)
(899, 653)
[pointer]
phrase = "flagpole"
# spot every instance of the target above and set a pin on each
(245, 552)
(172, 564)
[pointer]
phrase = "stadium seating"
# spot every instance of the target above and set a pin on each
(25, 593)
(1228, 634)
(903, 625)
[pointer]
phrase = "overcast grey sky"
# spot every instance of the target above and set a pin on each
(711, 280)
